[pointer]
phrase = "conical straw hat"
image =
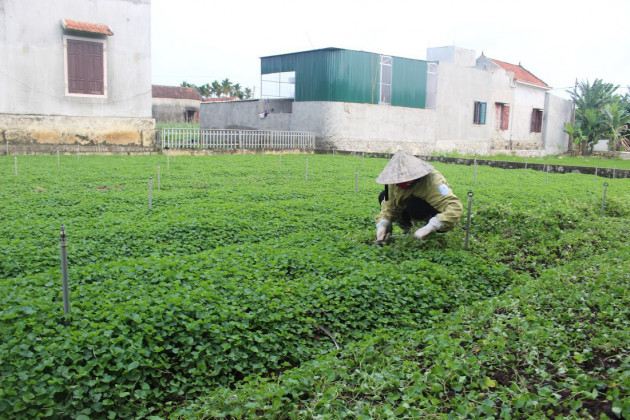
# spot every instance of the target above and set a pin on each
(403, 167)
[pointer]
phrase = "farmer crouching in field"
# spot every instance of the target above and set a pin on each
(415, 192)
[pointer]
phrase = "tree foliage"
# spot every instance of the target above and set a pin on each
(222, 89)
(617, 118)
(600, 113)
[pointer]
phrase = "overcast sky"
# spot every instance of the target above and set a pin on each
(559, 41)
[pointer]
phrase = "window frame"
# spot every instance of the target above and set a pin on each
(480, 110)
(537, 119)
(386, 61)
(67, 69)
(502, 116)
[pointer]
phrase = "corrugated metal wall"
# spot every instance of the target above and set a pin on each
(350, 76)
(409, 82)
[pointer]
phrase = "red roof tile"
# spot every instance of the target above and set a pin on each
(520, 74)
(223, 99)
(96, 28)
(175, 92)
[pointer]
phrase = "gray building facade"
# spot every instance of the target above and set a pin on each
(75, 72)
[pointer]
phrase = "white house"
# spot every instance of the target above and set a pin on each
(75, 72)
(490, 106)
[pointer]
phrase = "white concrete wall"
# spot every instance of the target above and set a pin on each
(337, 125)
(458, 89)
(526, 99)
(502, 92)
(452, 54)
(32, 57)
(367, 127)
(558, 112)
(242, 115)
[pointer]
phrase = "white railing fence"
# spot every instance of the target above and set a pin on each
(195, 138)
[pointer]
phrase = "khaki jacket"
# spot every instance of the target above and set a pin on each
(433, 189)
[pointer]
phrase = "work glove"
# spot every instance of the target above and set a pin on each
(382, 229)
(433, 225)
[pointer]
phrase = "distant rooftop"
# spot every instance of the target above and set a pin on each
(222, 99)
(175, 92)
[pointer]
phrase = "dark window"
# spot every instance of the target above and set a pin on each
(85, 67)
(480, 113)
(502, 116)
(537, 116)
(191, 116)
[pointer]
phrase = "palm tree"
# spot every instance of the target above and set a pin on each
(236, 91)
(216, 89)
(593, 128)
(590, 101)
(617, 120)
(204, 90)
(226, 87)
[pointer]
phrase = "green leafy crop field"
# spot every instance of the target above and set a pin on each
(250, 290)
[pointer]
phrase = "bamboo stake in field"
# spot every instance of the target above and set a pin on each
(64, 271)
(604, 199)
(150, 191)
(470, 196)
(547, 170)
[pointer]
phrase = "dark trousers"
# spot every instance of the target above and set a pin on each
(417, 210)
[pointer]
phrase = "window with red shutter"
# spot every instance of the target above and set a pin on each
(502, 116)
(536, 126)
(85, 67)
(505, 117)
